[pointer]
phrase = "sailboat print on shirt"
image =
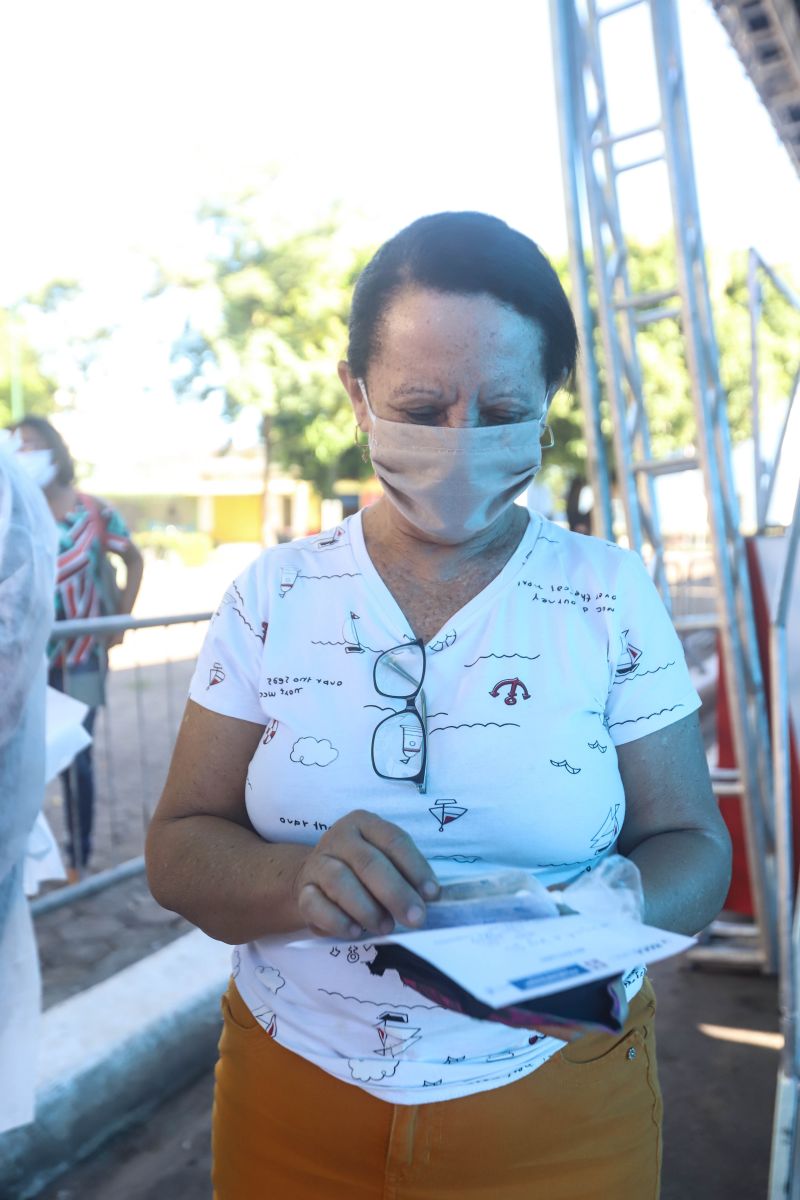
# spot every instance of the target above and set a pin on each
(608, 831)
(352, 642)
(447, 811)
(629, 657)
(395, 1034)
(215, 675)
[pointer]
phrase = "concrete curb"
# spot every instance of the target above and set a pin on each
(112, 1053)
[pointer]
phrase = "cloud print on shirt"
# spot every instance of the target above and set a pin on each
(271, 978)
(314, 752)
(368, 1071)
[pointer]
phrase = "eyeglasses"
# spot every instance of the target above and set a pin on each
(400, 742)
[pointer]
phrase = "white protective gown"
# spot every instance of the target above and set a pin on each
(27, 580)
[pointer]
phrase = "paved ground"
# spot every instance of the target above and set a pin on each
(718, 1095)
(89, 940)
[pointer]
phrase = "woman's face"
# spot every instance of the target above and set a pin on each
(453, 360)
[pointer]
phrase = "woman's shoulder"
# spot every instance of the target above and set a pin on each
(300, 553)
(583, 548)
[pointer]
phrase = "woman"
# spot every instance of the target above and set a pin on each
(87, 531)
(442, 684)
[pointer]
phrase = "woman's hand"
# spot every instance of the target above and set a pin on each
(363, 874)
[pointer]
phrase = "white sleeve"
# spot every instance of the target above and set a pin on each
(650, 686)
(226, 678)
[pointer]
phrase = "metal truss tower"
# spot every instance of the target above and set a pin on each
(594, 156)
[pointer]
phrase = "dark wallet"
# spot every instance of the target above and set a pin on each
(601, 1005)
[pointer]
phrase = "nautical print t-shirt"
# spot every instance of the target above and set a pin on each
(530, 688)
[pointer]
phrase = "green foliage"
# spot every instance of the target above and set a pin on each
(664, 370)
(18, 357)
(274, 325)
(274, 328)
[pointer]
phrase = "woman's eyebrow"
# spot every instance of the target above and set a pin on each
(416, 389)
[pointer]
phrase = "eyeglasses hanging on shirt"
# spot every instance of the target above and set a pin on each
(400, 742)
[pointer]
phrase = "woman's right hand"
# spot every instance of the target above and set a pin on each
(364, 874)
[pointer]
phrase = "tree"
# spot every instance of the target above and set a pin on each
(267, 329)
(269, 324)
(661, 351)
(22, 378)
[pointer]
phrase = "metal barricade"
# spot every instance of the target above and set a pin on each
(133, 738)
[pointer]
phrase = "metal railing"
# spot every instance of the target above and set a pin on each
(132, 743)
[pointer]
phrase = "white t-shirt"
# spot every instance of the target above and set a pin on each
(566, 654)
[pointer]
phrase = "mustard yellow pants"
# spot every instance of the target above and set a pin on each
(585, 1126)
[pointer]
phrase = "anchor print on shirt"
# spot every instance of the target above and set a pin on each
(514, 685)
(629, 657)
(446, 811)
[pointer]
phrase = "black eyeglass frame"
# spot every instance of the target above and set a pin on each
(410, 701)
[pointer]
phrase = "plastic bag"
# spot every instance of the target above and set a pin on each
(508, 895)
(613, 888)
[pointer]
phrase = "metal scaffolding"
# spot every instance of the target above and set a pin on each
(582, 32)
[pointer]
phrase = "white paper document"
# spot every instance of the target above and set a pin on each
(507, 963)
(64, 732)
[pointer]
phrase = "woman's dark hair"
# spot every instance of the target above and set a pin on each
(465, 253)
(65, 467)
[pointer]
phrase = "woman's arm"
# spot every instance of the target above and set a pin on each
(134, 569)
(205, 860)
(673, 830)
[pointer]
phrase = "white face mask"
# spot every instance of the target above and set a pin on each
(452, 484)
(38, 465)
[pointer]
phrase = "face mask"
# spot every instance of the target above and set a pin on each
(38, 465)
(453, 483)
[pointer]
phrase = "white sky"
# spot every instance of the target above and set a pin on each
(120, 118)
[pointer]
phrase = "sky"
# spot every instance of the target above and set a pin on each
(120, 119)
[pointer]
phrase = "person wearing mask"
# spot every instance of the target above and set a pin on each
(444, 684)
(88, 530)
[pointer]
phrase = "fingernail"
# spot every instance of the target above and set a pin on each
(430, 889)
(386, 926)
(354, 930)
(415, 914)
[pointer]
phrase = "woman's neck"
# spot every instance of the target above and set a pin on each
(389, 536)
(62, 499)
